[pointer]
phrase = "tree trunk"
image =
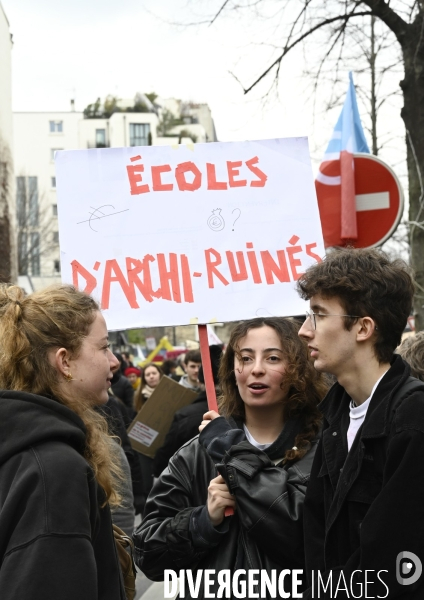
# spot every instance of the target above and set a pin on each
(413, 117)
(373, 57)
(8, 264)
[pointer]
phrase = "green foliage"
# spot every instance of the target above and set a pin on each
(136, 336)
(92, 111)
(167, 122)
(185, 133)
(110, 106)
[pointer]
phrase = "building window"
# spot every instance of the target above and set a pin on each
(55, 237)
(56, 126)
(100, 138)
(139, 134)
(56, 266)
(27, 201)
(54, 207)
(33, 201)
(21, 200)
(53, 152)
(35, 253)
(22, 252)
(53, 182)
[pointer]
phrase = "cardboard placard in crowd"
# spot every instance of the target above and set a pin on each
(148, 430)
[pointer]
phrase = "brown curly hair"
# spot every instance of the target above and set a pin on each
(368, 284)
(306, 387)
(30, 327)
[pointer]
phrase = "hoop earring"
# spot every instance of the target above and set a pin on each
(68, 377)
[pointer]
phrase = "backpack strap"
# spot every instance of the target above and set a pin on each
(411, 385)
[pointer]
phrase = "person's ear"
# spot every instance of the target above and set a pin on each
(366, 328)
(60, 359)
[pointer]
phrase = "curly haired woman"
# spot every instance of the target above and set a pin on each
(58, 468)
(255, 459)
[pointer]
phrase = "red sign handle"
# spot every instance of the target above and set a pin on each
(209, 382)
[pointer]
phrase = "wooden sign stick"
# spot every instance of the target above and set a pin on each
(209, 382)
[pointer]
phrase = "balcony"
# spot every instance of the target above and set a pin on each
(98, 145)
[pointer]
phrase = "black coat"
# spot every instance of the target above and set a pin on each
(364, 508)
(184, 427)
(113, 413)
(56, 541)
(124, 391)
(266, 531)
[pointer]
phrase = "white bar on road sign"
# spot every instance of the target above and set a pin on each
(377, 201)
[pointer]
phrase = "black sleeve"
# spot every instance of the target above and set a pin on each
(173, 441)
(165, 540)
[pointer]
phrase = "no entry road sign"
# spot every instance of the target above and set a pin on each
(379, 201)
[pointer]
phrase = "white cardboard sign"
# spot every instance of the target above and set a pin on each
(189, 234)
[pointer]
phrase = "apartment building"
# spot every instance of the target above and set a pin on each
(38, 135)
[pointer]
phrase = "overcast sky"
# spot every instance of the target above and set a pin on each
(86, 49)
(89, 48)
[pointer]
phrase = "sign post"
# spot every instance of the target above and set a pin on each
(378, 197)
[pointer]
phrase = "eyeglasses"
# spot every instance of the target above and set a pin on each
(313, 316)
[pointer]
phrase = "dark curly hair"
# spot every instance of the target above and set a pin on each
(367, 283)
(306, 387)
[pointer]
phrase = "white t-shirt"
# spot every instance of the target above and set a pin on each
(357, 415)
(252, 440)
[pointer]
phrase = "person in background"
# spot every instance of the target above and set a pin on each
(123, 390)
(179, 371)
(255, 459)
(127, 359)
(152, 374)
(186, 421)
(58, 469)
(150, 378)
(169, 367)
(113, 413)
(412, 351)
(192, 364)
(133, 375)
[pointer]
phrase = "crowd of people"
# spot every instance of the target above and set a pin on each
(309, 472)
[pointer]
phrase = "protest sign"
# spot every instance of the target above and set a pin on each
(189, 234)
(148, 430)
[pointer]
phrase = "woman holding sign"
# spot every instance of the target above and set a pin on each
(58, 468)
(255, 460)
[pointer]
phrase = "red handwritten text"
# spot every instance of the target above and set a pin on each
(175, 276)
(189, 177)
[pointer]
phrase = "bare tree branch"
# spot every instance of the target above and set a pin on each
(299, 39)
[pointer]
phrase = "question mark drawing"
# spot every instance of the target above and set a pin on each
(238, 217)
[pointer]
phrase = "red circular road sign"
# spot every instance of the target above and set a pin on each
(379, 201)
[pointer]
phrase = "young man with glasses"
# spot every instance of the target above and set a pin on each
(364, 509)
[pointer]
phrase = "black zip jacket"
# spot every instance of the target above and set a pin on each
(55, 541)
(266, 531)
(365, 507)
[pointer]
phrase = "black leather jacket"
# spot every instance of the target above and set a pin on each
(266, 531)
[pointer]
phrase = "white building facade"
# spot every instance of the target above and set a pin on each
(8, 258)
(37, 136)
